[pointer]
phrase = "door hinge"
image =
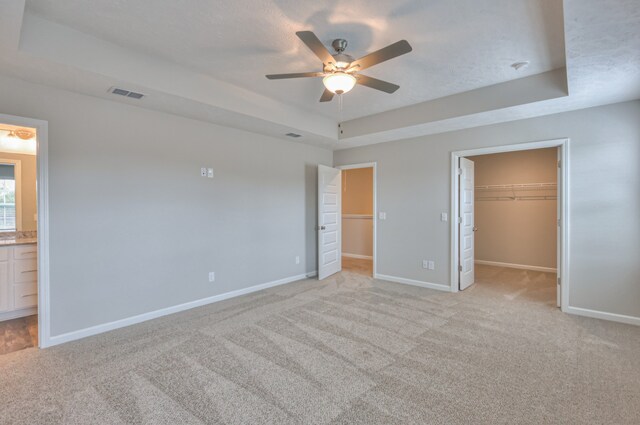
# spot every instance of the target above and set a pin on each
(558, 222)
(559, 281)
(459, 220)
(560, 164)
(459, 171)
(459, 267)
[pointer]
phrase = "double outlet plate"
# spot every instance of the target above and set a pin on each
(206, 172)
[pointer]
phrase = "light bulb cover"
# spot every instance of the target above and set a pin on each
(339, 82)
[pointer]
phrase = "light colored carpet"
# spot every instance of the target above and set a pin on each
(346, 350)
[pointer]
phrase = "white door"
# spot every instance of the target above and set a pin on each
(559, 230)
(329, 221)
(467, 229)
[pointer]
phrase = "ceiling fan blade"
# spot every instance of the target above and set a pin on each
(374, 83)
(326, 96)
(391, 51)
(316, 46)
(295, 75)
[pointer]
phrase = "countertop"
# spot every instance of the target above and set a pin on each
(18, 241)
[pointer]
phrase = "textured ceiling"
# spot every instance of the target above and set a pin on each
(458, 45)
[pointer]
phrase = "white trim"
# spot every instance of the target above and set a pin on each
(42, 159)
(17, 177)
(563, 144)
(105, 327)
(18, 313)
(428, 285)
(585, 312)
(373, 165)
(362, 257)
(517, 266)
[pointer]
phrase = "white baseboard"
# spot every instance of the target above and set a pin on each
(631, 320)
(105, 327)
(362, 257)
(412, 282)
(18, 313)
(517, 266)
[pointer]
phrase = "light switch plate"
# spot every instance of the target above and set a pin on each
(432, 265)
(443, 216)
(203, 172)
(382, 215)
(425, 264)
(210, 173)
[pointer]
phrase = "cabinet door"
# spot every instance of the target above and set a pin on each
(6, 300)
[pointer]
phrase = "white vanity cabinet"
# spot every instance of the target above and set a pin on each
(18, 280)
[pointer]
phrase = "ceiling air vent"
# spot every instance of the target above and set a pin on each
(126, 93)
(294, 135)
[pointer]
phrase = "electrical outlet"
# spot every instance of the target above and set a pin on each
(212, 276)
(425, 264)
(432, 265)
(297, 260)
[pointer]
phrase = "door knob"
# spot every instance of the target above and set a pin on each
(475, 229)
(322, 228)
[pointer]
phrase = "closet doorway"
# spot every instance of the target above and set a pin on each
(510, 203)
(358, 218)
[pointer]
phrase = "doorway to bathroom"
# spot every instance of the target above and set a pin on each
(22, 190)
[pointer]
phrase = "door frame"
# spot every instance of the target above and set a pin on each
(42, 182)
(373, 165)
(563, 145)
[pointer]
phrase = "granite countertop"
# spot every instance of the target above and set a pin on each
(18, 241)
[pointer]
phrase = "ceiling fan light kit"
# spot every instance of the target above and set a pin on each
(340, 70)
(339, 82)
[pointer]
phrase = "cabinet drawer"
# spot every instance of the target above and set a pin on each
(4, 253)
(22, 252)
(25, 295)
(25, 271)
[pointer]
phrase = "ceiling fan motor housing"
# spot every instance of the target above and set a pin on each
(342, 60)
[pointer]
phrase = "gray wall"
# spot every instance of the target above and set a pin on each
(134, 228)
(414, 187)
(521, 232)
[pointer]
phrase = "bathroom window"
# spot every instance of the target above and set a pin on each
(7, 198)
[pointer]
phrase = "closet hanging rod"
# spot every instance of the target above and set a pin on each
(516, 198)
(519, 186)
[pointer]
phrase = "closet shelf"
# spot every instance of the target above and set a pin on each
(517, 198)
(517, 192)
(514, 187)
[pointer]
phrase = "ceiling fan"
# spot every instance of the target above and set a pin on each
(340, 70)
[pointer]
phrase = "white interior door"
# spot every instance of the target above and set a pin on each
(467, 226)
(329, 221)
(559, 229)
